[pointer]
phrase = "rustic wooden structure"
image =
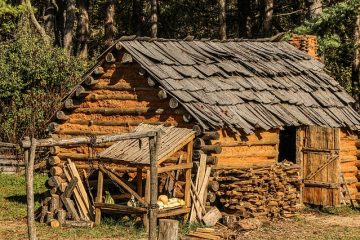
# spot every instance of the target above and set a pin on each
(11, 160)
(81, 200)
(251, 105)
(176, 144)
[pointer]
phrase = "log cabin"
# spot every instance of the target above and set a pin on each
(251, 104)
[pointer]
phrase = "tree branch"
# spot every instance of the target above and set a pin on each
(36, 24)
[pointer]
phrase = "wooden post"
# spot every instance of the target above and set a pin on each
(29, 157)
(154, 145)
(147, 199)
(168, 229)
(188, 180)
(98, 199)
(139, 181)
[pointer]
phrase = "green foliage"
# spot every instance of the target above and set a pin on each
(335, 28)
(33, 78)
(8, 15)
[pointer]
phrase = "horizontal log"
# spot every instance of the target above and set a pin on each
(53, 127)
(95, 97)
(69, 104)
(116, 123)
(121, 111)
(151, 82)
(54, 160)
(87, 224)
(9, 145)
(198, 130)
(251, 143)
(211, 135)
(216, 148)
(10, 162)
(80, 92)
(313, 183)
(73, 156)
(120, 87)
(187, 117)
(175, 167)
(162, 94)
(54, 150)
(167, 213)
(109, 58)
(173, 103)
(90, 81)
(98, 71)
(126, 58)
(60, 115)
(120, 208)
(86, 140)
(261, 153)
(4, 157)
(198, 143)
(214, 186)
(11, 169)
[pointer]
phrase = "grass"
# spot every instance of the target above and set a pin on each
(13, 213)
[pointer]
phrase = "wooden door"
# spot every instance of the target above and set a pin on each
(321, 166)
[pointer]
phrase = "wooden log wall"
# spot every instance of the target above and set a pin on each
(259, 149)
(349, 163)
(115, 98)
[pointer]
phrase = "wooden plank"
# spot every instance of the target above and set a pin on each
(175, 167)
(139, 182)
(120, 208)
(81, 189)
(81, 205)
(174, 150)
(169, 213)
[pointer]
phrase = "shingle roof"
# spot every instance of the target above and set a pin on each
(135, 152)
(244, 84)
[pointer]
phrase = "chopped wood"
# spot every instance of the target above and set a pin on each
(212, 217)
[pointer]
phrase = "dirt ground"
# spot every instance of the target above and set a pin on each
(307, 226)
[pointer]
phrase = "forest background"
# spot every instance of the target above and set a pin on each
(46, 45)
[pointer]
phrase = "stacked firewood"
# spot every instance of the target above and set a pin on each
(268, 191)
(67, 202)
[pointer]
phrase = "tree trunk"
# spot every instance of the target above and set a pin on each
(110, 23)
(356, 63)
(138, 17)
(59, 23)
(83, 28)
(69, 25)
(154, 19)
(49, 17)
(222, 19)
(36, 24)
(314, 8)
(244, 18)
(267, 14)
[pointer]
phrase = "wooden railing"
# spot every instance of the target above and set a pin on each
(11, 160)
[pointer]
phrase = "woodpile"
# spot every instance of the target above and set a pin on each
(67, 202)
(263, 192)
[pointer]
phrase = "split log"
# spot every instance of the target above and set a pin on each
(78, 224)
(214, 185)
(212, 217)
(211, 197)
(61, 216)
(55, 181)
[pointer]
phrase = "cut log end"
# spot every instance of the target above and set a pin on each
(173, 103)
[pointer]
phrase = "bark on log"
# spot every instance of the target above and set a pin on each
(168, 229)
(154, 19)
(90, 81)
(80, 92)
(211, 136)
(83, 29)
(216, 148)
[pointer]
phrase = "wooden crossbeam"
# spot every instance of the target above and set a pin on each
(322, 166)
